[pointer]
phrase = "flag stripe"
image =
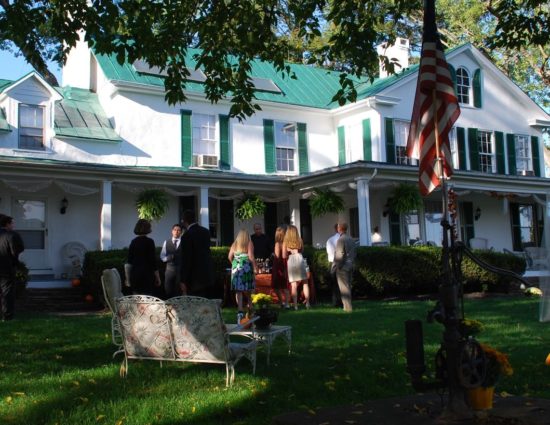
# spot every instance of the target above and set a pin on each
(433, 76)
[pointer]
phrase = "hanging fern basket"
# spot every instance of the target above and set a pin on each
(152, 204)
(324, 202)
(251, 205)
(405, 198)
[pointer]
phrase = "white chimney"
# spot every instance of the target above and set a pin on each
(398, 51)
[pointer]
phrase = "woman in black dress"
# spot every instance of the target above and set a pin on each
(144, 273)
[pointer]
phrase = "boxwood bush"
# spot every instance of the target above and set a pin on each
(379, 271)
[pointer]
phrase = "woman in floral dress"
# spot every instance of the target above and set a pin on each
(243, 269)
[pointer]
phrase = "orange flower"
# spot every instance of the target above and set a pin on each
(497, 364)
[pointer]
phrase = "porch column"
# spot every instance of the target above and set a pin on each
(547, 222)
(204, 220)
(294, 204)
(106, 218)
(363, 206)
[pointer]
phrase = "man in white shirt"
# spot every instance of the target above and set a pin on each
(331, 248)
(171, 255)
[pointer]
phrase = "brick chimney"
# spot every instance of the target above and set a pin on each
(399, 51)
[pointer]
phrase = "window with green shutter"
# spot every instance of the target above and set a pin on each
(477, 88)
(367, 140)
(225, 156)
(303, 160)
(269, 146)
(511, 151)
(473, 147)
(341, 145)
(499, 144)
(535, 153)
(390, 141)
(186, 138)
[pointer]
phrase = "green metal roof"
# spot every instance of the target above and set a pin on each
(314, 87)
(4, 126)
(79, 114)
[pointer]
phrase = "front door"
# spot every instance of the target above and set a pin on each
(30, 223)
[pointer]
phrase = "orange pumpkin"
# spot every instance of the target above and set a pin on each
(75, 282)
(89, 298)
(548, 360)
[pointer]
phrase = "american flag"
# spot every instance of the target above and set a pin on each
(431, 108)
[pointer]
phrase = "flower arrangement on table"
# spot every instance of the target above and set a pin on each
(497, 365)
(261, 300)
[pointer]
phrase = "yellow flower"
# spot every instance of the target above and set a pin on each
(261, 299)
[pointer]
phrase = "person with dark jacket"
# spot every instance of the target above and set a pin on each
(171, 255)
(142, 257)
(11, 245)
(197, 277)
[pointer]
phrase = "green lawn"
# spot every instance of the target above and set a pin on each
(59, 370)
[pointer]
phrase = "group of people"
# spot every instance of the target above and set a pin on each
(11, 246)
(189, 267)
(288, 269)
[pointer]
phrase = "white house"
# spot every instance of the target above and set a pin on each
(72, 159)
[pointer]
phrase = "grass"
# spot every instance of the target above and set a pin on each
(59, 370)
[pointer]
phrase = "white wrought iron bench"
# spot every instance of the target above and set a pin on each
(182, 329)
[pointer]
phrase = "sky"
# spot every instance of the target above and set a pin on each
(12, 68)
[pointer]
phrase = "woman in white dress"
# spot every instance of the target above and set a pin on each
(297, 274)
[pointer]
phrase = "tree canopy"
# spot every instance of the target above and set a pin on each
(231, 34)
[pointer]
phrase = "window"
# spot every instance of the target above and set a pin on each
(487, 161)
(285, 146)
(453, 145)
(31, 127)
(463, 86)
(525, 227)
(432, 223)
(523, 154)
(204, 140)
(411, 226)
(401, 130)
(354, 143)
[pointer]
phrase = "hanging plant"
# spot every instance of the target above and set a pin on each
(325, 201)
(251, 205)
(152, 204)
(406, 197)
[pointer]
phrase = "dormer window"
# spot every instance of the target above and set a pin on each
(31, 127)
(463, 84)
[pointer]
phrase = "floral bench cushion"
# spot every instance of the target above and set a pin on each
(198, 329)
(145, 327)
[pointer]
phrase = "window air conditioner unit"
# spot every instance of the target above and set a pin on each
(207, 161)
(526, 173)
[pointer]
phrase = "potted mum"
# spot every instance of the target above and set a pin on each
(497, 365)
(262, 309)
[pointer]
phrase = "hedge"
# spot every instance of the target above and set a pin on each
(379, 271)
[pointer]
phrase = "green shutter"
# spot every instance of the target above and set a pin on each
(225, 158)
(367, 141)
(535, 154)
(269, 146)
(461, 142)
(303, 162)
(473, 146)
(477, 88)
(341, 145)
(186, 138)
(499, 142)
(511, 148)
(452, 71)
(516, 227)
(390, 141)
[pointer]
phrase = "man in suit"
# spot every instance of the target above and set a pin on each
(344, 257)
(197, 277)
(11, 245)
(171, 255)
